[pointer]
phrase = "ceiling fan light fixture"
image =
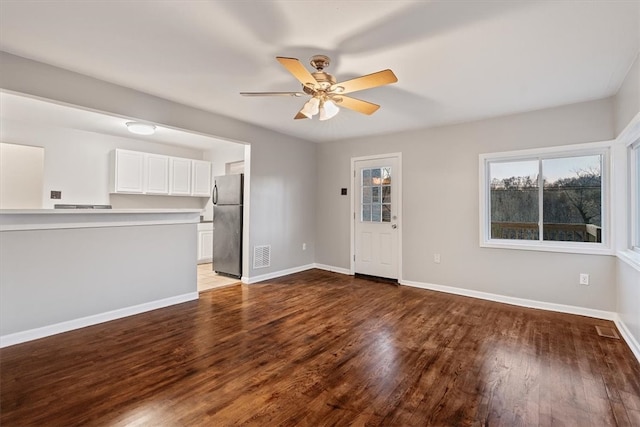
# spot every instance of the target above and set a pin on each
(140, 128)
(311, 108)
(328, 109)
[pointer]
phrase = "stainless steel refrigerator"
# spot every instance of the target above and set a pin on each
(227, 224)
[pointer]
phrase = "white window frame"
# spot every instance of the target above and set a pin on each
(627, 193)
(634, 194)
(575, 150)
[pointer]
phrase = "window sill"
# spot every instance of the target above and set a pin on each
(562, 247)
(630, 257)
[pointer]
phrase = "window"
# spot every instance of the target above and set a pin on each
(376, 195)
(550, 199)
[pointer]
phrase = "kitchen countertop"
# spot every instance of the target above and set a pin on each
(94, 211)
(47, 219)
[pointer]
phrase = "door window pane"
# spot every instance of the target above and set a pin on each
(376, 177)
(514, 200)
(386, 194)
(366, 194)
(386, 176)
(366, 212)
(572, 199)
(376, 212)
(366, 177)
(375, 194)
(386, 213)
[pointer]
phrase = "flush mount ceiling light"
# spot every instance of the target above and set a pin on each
(141, 128)
(325, 92)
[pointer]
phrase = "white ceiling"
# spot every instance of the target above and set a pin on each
(455, 60)
(25, 112)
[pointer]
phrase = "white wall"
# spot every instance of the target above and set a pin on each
(76, 162)
(21, 170)
(219, 157)
(440, 191)
(627, 106)
(627, 100)
(271, 159)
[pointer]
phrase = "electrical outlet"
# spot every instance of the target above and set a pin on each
(584, 279)
(56, 194)
(304, 246)
(436, 258)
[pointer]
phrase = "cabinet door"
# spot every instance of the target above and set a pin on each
(180, 176)
(129, 169)
(205, 246)
(201, 178)
(157, 174)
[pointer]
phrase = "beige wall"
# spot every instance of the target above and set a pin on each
(440, 193)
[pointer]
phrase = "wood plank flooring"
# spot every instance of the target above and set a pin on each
(319, 348)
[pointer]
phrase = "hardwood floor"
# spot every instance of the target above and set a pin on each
(319, 348)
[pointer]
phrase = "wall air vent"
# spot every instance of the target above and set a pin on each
(262, 256)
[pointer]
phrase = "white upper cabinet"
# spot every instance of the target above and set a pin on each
(157, 174)
(134, 172)
(127, 172)
(200, 178)
(179, 176)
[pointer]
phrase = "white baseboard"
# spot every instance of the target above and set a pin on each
(628, 337)
(333, 269)
(69, 325)
(275, 274)
(522, 302)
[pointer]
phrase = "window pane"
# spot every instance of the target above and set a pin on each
(366, 194)
(386, 213)
(572, 199)
(366, 213)
(386, 194)
(375, 194)
(366, 176)
(376, 213)
(514, 200)
(386, 176)
(376, 178)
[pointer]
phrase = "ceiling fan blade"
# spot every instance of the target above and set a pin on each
(298, 70)
(358, 105)
(300, 116)
(369, 81)
(272, 94)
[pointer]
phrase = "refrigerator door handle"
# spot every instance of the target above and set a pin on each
(214, 197)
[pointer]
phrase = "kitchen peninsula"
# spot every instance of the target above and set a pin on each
(66, 269)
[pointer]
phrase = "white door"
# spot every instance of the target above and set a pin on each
(376, 220)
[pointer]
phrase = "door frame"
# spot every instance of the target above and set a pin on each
(354, 187)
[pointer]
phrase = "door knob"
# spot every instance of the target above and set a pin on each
(394, 226)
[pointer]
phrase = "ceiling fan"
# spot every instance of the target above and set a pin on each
(326, 94)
